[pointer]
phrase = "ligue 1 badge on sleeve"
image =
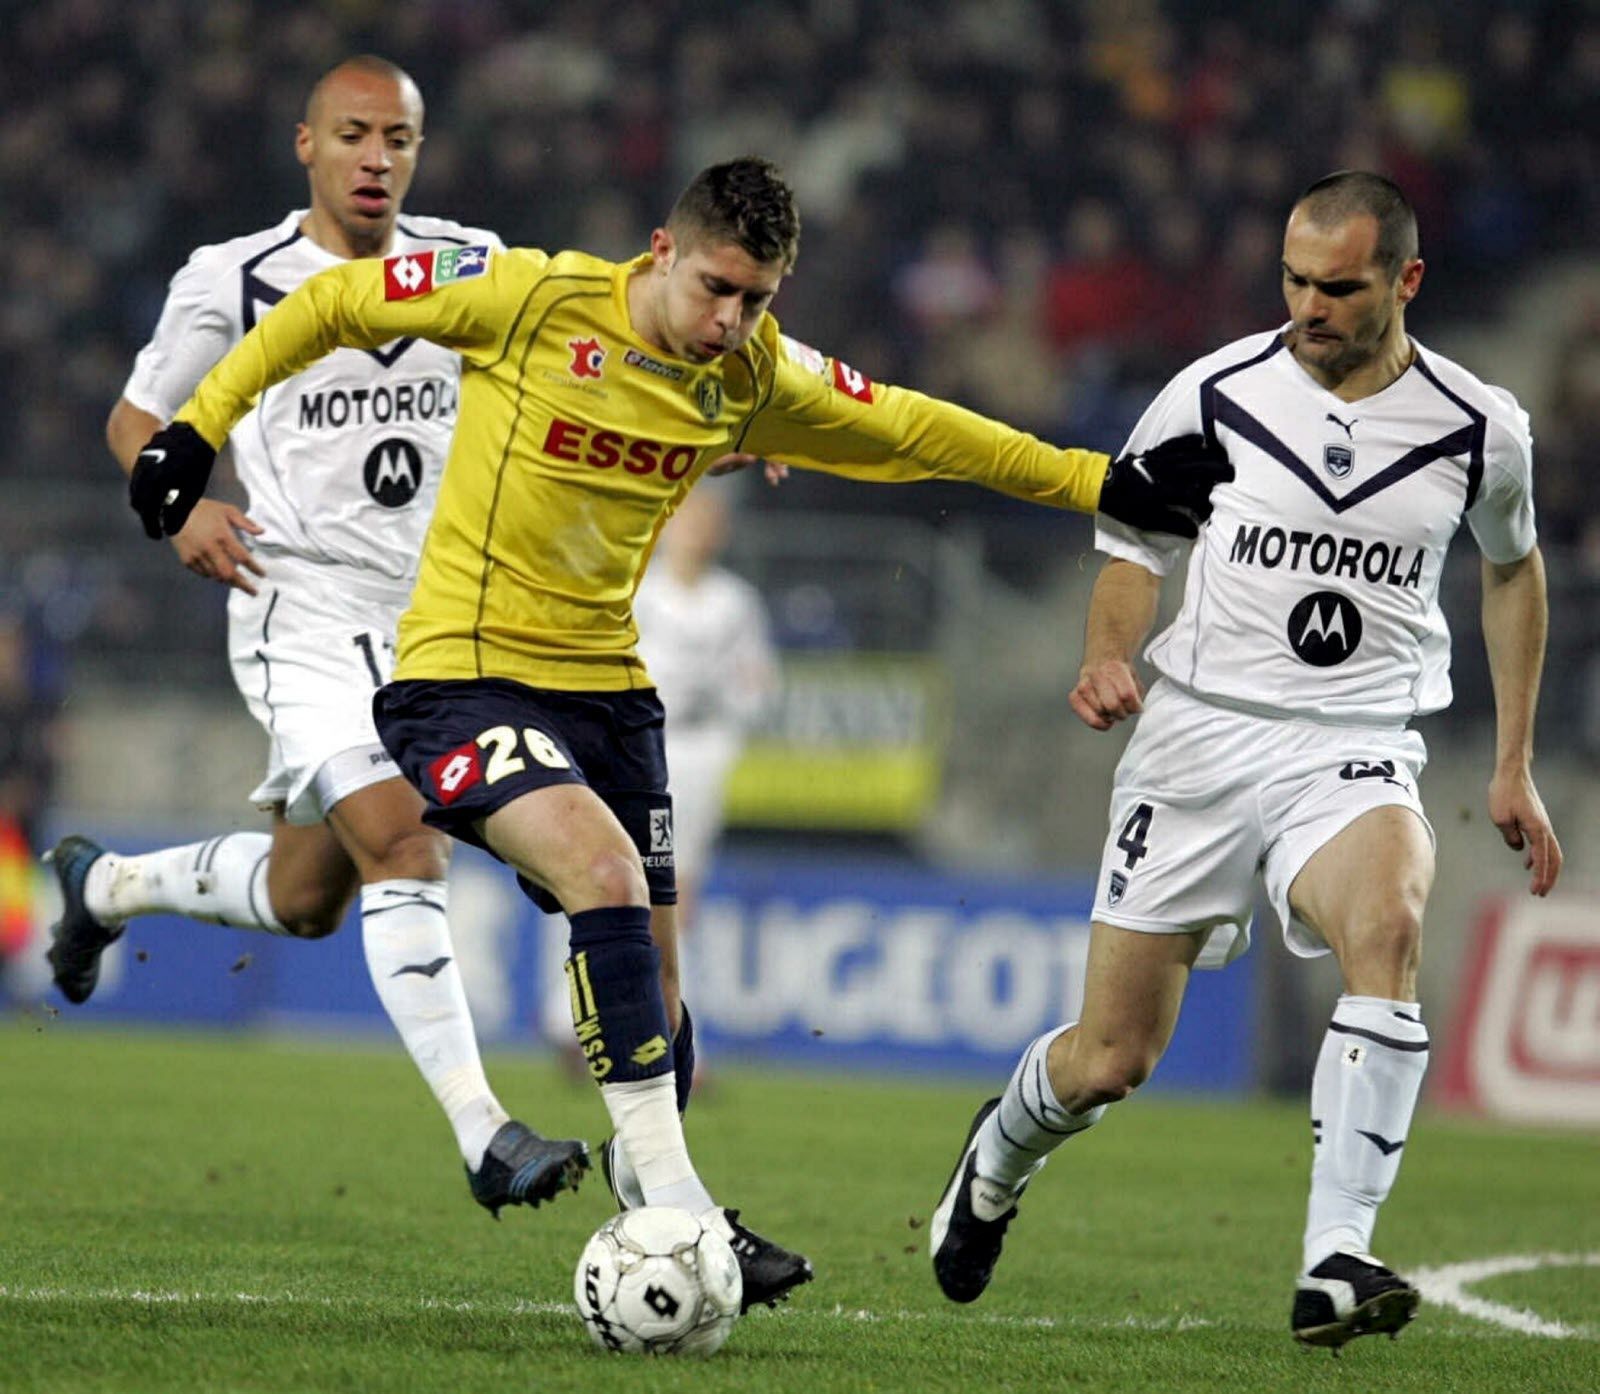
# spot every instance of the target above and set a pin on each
(708, 392)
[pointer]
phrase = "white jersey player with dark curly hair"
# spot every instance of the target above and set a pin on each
(1274, 743)
(341, 465)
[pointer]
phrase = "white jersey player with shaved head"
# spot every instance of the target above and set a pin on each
(341, 465)
(1275, 742)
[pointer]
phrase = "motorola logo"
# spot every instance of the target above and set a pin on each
(393, 473)
(1324, 628)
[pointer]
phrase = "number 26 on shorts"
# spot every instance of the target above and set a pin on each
(502, 744)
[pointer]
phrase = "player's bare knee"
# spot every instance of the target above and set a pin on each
(1106, 1076)
(614, 878)
(312, 918)
(417, 854)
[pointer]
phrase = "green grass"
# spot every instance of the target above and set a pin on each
(204, 1212)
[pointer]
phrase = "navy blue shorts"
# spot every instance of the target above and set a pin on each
(471, 746)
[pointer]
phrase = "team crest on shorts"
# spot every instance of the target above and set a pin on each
(1117, 888)
(661, 830)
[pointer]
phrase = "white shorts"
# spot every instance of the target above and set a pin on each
(307, 657)
(699, 760)
(1206, 799)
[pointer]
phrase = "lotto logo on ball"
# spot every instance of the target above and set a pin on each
(658, 1281)
(454, 772)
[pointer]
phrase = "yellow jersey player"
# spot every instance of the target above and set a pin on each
(593, 396)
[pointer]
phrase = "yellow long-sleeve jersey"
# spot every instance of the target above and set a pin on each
(576, 439)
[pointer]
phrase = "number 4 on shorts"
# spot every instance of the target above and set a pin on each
(1134, 835)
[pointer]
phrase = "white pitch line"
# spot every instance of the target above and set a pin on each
(527, 1307)
(1448, 1285)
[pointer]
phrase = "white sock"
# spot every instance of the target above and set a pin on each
(222, 880)
(413, 967)
(1363, 1093)
(644, 1113)
(1028, 1125)
(630, 1194)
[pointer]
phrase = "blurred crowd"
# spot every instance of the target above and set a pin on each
(1039, 208)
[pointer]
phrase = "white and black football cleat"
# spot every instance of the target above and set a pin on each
(77, 939)
(1349, 1295)
(964, 1247)
(522, 1168)
(769, 1270)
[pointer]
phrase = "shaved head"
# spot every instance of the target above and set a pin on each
(1353, 193)
(366, 65)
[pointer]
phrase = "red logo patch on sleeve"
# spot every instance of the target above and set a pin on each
(407, 275)
(454, 772)
(852, 383)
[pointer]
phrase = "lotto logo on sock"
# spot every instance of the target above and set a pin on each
(454, 772)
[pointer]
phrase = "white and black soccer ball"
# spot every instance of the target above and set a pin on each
(656, 1281)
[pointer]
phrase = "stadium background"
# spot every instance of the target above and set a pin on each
(1038, 209)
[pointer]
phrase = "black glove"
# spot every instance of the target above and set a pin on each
(1166, 488)
(169, 478)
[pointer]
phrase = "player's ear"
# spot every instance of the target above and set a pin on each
(303, 143)
(1410, 280)
(663, 249)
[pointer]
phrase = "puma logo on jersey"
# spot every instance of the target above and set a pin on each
(1349, 430)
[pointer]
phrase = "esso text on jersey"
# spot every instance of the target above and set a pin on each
(571, 440)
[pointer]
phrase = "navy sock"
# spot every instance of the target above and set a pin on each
(614, 975)
(683, 1056)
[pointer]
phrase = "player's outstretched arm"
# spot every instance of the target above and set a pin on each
(208, 543)
(1166, 488)
(1121, 612)
(1515, 620)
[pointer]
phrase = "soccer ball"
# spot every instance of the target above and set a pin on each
(656, 1281)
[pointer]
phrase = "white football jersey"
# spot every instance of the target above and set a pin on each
(342, 462)
(706, 647)
(1313, 591)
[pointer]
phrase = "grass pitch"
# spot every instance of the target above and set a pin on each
(218, 1213)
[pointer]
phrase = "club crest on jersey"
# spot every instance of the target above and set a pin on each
(708, 392)
(588, 358)
(1338, 460)
(1117, 888)
(852, 383)
(1324, 628)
